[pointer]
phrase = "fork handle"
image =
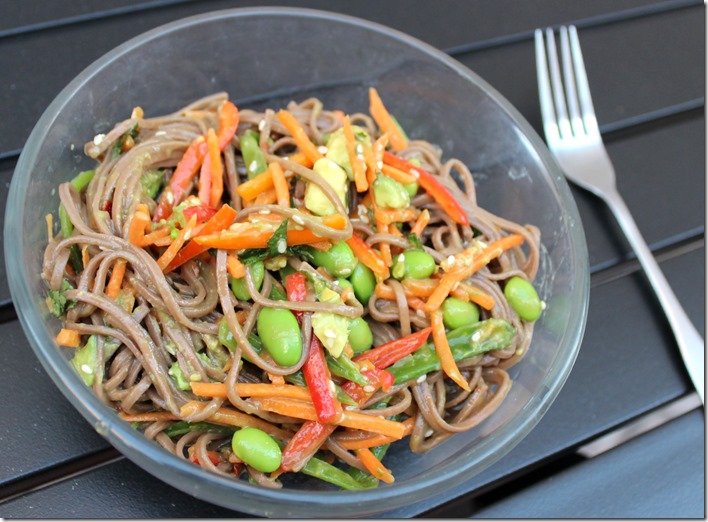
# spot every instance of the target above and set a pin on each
(690, 343)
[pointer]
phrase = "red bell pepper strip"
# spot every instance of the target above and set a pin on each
(318, 380)
(377, 379)
(203, 213)
(296, 290)
(432, 186)
(223, 218)
(228, 121)
(315, 370)
(305, 443)
(385, 355)
(181, 178)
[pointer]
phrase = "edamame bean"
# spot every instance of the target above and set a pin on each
(411, 188)
(360, 336)
(339, 260)
(523, 298)
(238, 286)
(280, 334)
(257, 449)
(363, 282)
(458, 313)
(344, 283)
(417, 264)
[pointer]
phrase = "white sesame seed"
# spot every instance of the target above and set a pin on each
(322, 149)
(543, 305)
(265, 211)
(368, 388)
(414, 173)
(475, 336)
(188, 234)
(421, 379)
(420, 313)
(456, 286)
(345, 271)
(261, 124)
(195, 377)
(429, 433)
(365, 219)
(329, 334)
(282, 245)
(349, 407)
(379, 165)
(401, 258)
(98, 139)
(86, 368)
(331, 386)
(72, 147)
(359, 150)
(170, 197)
(160, 133)
(450, 260)
(297, 219)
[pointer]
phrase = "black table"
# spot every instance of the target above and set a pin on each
(646, 63)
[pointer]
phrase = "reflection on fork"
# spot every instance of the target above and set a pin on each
(573, 137)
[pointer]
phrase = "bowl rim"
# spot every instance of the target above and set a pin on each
(122, 436)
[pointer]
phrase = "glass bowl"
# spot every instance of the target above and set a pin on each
(295, 54)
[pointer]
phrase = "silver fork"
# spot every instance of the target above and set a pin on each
(574, 139)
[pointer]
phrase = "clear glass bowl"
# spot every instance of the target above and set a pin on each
(266, 57)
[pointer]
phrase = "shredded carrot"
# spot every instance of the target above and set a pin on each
(163, 241)
(398, 175)
(300, 159)
(151, 416)
(149, 239)
(85, 258)
(385, 122)
(421, 223)
(218, 389)
(116, 280)
(70, 338)
(357, 163)
(453, 277)
(235, 267)
(169, 254)
(376, 440)
(277, 380)
(230, 417)
(269, 197)
(386, 292)
(140, 220)
(251, 188)
(384, 247)
(350, 419)
(258, 238)
(368, 256)
(217, 169)
(387, 216)
(298, 133)
(282, 188)
(442, 348)
(374, 465)
(370, 162)
(477, 296)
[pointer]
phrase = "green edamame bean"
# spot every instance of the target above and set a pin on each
(257, 449)
(458, 313)
(363, 282)
(339, 260)
(411, 188)
(360, 336)
(238, 286)
(523, 298)
(417, 264)
(343, 283)
(280, 334)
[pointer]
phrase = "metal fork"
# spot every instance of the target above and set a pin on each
(574, 139)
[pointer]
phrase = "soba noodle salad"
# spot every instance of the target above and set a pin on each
(288, 291)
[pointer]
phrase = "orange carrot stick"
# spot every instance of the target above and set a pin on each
(70, 338)
(451, 278)
(358, 166)
(368, 256)
(387, 216)
(151, 416)
(385, 122)
(266, 198)
(235, 267)
(376, 440)
(230, 417)
(350, 419)
(282, 189)
(421, 223)
(140, 220)
(217, 170)
(442, 349)
(168, 255)
(251, 188)
(298, 133)
(116, 280)
(374, 465)
(398, 175)
(218, 389)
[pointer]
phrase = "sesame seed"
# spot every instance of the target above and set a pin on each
(98, 139)
(322, 149)
(195, 377)
(282, 245)
(160, 133)
(421, 379)
(365, 219)
(265, 211)
(170, 197)
(368, 388)
(475, 336)
(543, 305)
(188, 234)
(72, 147)
(420, 313)
(349, 407)
(359, 150)
(297, 219)
(450, 260)
(261, 124)
(379, 165)
(329, 334)
(86, 368)
(331, 386)
(414, 173)
(345, 271)
(429, 433)
(401, 258)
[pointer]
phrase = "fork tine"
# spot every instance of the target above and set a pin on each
(557, 86)
(583, 87)
(548, 113)
(570, 88)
